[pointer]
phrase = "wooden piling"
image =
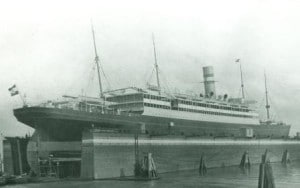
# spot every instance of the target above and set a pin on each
(19, 157)
(149, 164)
(202, 166)
(285, 157)
(122, 173)
(137, 165)
(266, 178)
(146, 169)
(245, 161)
(152, 173)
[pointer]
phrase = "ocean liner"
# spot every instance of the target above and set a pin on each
(93, 137)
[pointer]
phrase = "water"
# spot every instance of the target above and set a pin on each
(286, 176)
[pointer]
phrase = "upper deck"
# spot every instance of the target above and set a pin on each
(136, 100)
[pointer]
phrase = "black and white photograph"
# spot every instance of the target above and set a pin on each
(150, 93)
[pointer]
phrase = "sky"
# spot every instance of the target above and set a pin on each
(46, 49)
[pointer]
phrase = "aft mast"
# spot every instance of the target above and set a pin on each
(267, 98)
(156, 65)
(242, 81)
(97, 64)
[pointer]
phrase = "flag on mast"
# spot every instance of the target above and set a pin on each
(237, 60)
(13, 90)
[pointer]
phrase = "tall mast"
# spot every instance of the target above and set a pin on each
(97, 63)
(267, 98)
(156, 65)
(242, 81)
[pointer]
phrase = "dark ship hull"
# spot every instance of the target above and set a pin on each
(99, 145)
(67, 124)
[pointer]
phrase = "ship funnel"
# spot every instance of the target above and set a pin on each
(209, 82)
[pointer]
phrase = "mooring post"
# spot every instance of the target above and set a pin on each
(266, 178)
(149, 164)
(151, 168)
(57, 169)
(137, 166)
(261, 175)
(285, 157)
(19, 156)
(202, 166)
(122, 173)
(245, 161)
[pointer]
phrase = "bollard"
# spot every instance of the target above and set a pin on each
(202, 166)
(266, 178)
(285, 157)
(245, 161)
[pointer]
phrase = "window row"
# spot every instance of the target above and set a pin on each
(128, 105)
(213, 106)
(214, 113)
(197, 111)
(157, 106)
(126, 98)
(147, 96)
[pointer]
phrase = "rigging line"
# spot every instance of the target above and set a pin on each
(246, 94)
(261, 107)
(167, 84)
(150, 78)
(145, 75)
(91, 74)
(239, 92)
(262, 102)
(102, 70)
(106, 78)
(275, 108)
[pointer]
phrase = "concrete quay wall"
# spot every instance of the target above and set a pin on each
(105, 155)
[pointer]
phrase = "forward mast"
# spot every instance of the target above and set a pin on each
(156, 65)
(97, 64)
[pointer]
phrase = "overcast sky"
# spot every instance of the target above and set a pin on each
(46, 49)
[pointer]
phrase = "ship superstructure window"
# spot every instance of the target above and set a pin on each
(155, 97)
(128, 102)
(204, 107)
(200, 111)
(214, 106)
(126, 98)
(137, 100)
(156, 106)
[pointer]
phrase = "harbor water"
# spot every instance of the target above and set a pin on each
(286, 176)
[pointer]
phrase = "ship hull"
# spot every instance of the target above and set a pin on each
(101, 146)
(55, 122)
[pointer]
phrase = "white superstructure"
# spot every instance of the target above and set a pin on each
(150, 103)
